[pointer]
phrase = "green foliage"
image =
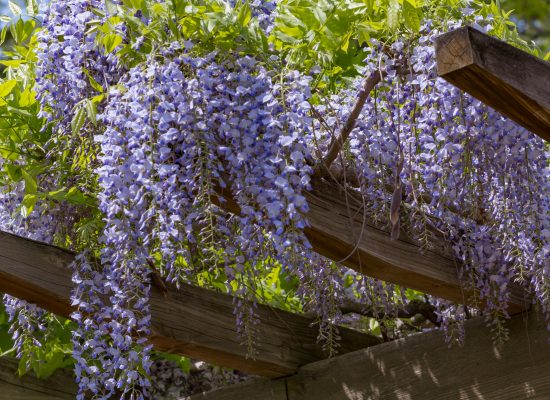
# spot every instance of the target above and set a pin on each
(6, 342)
(53, 352)
(533, 19)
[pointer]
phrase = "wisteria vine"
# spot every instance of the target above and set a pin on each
(201, 162)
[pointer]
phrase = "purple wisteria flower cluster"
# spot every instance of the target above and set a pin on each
(28, 321)
(68, 58)
(111, 346)
(180, 132)
(263, 10)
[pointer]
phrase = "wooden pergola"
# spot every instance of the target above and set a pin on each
(200, 323)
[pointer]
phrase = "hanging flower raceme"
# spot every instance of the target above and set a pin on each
(181, 130)
(68, 60)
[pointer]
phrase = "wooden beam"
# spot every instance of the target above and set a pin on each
(340, 231)
(192, 321)
(423, 367)
(513, 82)
(60, 386)
(260, 389)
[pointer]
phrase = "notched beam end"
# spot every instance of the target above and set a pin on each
(512, 81)
(454, 51)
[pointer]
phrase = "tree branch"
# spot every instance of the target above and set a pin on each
(370, 82)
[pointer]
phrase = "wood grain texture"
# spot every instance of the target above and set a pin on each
(510, 80)
(261, 389)
(422, 367)
(340, 231)
(192, 321)
(59, 386)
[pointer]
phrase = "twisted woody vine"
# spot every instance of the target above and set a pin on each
(126, 120)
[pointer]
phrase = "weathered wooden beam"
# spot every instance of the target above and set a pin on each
(59, 386)
(423, 367)
(192, 321)
(340, 231)
(260, 389)
(513, 82)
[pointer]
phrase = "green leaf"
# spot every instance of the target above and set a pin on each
(111, 42)
(7, 87)
(75, 196)
(30, 182)
(78, 120)
(18, 31)
(14, 172)
(27, 98)
(3, 34)
(91, 110)
(244, 16)
(345, 42)
(98, 99)
(393, 14)
(27, 205)
(110, 7)
(12, 63)
(94, 83)
(15, 9)
(374, 327)
(59, 195)
(410, 12)
(32, 7)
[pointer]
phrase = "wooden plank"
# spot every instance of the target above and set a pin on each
(510, 80)
(340, 231)
(59, 386)
(422, 367)
(192, 321)
(261, 389)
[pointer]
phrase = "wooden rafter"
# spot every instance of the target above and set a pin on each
(192, 321)
(513, 82)
(340, 231)
(421, 367)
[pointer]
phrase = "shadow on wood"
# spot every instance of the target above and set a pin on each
(422, 367)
